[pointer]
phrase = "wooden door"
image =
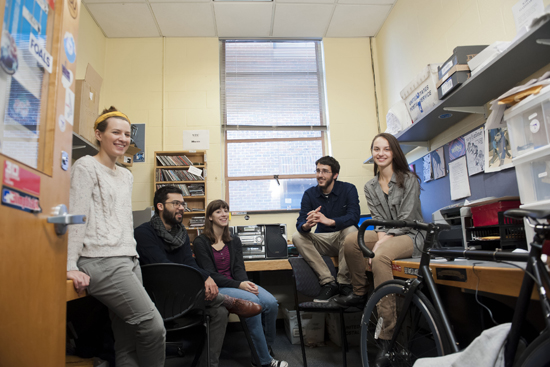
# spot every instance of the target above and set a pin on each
(37, 68)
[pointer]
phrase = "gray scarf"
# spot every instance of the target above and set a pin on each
(173, 239)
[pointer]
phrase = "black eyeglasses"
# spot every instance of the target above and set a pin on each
(176, 203)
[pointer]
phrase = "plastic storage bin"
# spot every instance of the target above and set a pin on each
(533, 174)
(487, 215)
(420, 95)
(529, 123)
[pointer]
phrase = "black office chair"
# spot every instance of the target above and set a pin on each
(307, 283)
(178, 293)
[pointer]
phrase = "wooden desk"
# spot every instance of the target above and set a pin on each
(267, 265)
(487, 276)
(71, 292)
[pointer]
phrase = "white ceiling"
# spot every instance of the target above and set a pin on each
(244, 19)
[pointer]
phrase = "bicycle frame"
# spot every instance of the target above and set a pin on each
(534, 265)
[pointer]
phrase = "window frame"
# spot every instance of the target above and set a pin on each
(322, 128)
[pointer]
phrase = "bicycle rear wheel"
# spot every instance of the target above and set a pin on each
(421, 334)
(537, 353)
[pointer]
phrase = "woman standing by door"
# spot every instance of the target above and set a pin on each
(102, 256)
(221, 254)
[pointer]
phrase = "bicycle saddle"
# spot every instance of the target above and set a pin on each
(522, 213)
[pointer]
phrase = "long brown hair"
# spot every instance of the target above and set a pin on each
(399, 162)
(208, 227)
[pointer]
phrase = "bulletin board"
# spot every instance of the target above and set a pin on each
(436, 194)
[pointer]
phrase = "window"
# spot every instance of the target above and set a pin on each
(274, 120)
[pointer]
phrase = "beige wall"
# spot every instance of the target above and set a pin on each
(91, 46)
(173, 85)
(417, 33)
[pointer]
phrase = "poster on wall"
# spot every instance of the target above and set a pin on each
(457, 149)
(475, 148)
(138, 135)
(427, 168)
(498, 154)
(438, 163)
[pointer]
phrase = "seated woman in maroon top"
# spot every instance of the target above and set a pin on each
(221, 254)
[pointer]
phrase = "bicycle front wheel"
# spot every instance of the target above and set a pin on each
(421, 334)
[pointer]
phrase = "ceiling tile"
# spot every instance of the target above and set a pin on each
(301, 20)
(367, 2)
(111, 1)
(124, 20)
(357, 20)
(185, 19)
(243, 19)
(306, 1)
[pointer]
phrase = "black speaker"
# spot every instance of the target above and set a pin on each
(275, 243)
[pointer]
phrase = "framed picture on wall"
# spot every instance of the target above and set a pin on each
(438, 163)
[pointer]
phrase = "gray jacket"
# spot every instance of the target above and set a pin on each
(402, 204)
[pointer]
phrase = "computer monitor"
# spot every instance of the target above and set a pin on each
(363, 218)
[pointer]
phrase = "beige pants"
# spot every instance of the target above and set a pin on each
(314, 245)
(394, 248)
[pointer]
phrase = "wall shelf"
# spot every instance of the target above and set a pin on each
(523, 58)
(82, 147)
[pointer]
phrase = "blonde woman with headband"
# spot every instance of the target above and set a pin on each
(102, 256)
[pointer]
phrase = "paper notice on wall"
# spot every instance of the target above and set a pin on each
(475, 151)
(196, 140)
(525, 11)
(458, 178)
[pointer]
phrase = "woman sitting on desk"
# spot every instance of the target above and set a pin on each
(102, 256)
(393, 194)
(221, 254)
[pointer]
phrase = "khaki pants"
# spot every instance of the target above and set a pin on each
(395, 248)
(137, 325)
(314, 245)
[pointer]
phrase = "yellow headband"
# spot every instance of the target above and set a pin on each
(105, 116)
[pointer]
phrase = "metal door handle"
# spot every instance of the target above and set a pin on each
(61, 219)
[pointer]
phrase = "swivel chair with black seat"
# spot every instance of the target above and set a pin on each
(178, 293)
(307, 284)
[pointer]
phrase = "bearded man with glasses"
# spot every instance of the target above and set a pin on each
(333, 207)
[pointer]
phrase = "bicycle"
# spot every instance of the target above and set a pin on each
(423, 329)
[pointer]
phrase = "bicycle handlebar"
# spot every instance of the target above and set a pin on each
(393, 224)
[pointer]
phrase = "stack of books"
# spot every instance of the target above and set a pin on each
(176, 175)
(174, 160)
(196, 222)
(196, 190)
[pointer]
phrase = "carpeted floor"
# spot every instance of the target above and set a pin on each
(236, 352)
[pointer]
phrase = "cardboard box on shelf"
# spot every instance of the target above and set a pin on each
(461, 55)
(87, 104)
(453, 79)
(313, 327)
(353, 328)
(420, 95)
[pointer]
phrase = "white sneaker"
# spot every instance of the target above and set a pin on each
(276, 363)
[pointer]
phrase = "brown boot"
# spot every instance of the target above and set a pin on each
(241, 307)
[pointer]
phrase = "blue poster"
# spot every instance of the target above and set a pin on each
(457, 148)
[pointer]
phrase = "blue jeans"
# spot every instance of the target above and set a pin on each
(262, 336)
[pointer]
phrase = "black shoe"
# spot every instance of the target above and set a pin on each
(351, 300)
(345, 289)
(328, 291)
(382, 359)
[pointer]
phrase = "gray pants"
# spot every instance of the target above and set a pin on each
(314, 245)
(137, 325)
(218, 322)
